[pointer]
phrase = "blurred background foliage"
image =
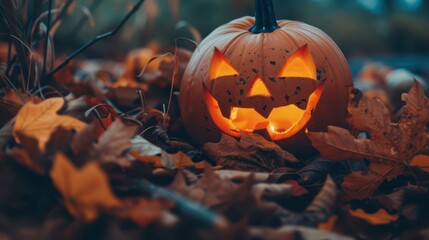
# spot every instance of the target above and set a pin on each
(360, 27)
(392, 31)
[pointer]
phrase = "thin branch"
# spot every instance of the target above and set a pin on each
(48, 26)
(95, 40)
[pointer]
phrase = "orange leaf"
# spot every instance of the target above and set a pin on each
(378, 218)
(86, 191)
(40, 120)
(421, 161)
(330, 224)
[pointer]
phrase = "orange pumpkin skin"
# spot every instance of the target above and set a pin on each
(263, 56)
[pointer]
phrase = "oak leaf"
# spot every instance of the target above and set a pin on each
(40, 120)
(86, 191)
(389, 149)
(252, 153)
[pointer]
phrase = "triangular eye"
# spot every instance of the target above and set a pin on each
(259, 89)
(220, 67)
(300, 64)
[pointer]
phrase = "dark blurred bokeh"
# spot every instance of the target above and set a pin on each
(395, 32)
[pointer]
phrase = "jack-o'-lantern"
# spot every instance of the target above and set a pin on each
(260, 75)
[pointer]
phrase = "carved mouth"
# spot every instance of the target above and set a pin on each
(281, 123)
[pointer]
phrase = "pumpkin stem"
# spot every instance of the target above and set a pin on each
(265, 19)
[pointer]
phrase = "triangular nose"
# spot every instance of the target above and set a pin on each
(259, 89)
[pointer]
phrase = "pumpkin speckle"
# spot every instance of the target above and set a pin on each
(273, 63)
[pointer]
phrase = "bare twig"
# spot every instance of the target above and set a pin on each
(96, 39)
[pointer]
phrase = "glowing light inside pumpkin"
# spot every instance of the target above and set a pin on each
(300, 64)
(282, 122)
(259, 89)
(220, 66)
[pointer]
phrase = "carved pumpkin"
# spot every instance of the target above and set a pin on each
(262, 76)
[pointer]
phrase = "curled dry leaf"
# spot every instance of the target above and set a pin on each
(40, 120)
(390, 148)
(86, 191)
(378, 218)
(251, 153)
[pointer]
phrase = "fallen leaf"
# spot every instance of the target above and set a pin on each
(251, 153)
(390, 148)
(142, 147)
(144, 211)
(143, 150)
(319, 210)
(40, 120)
(112, 144)
(231, 199)
(83, 141)
(421, 161)
(329, 225)
(86, 191)
(378, 218)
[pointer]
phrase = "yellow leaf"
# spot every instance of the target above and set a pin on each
(86, 191)
(378, 218)
(40, 120)
(421, 161)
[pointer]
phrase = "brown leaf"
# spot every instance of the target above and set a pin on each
(378, 218)
(145, 211)
(86, 191)
(233, 200)
(391, 145)
(112, 144)
(83, 141)
(40, 120)
(251, 153)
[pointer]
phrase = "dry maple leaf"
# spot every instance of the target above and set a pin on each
(252, 153)
(40, 120)
(391, 145)
(86, 191)
(112, 144)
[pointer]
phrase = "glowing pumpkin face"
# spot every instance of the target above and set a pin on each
(282, 109)
(259, 75)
